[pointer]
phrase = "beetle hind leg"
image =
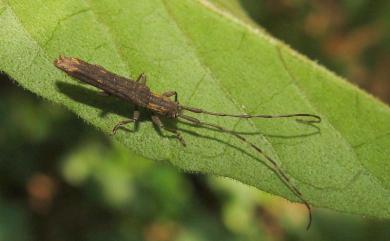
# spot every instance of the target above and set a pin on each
(135, 118)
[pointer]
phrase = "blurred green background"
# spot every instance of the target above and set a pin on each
(61, 179)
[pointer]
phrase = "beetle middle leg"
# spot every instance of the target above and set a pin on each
(141, 78)
(170, 93)
(156, 120)
(135, 118)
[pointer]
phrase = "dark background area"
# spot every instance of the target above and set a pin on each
(61, 179)
(350, 37)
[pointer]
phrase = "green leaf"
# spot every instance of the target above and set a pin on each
(218, 63)
(237, 9)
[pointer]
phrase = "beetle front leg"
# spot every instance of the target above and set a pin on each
(170, 93)
(156, 120)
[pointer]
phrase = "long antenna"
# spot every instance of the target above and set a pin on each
(316, 118)
(274, 166)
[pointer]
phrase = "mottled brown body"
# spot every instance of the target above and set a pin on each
(136, 92)
(127, 89)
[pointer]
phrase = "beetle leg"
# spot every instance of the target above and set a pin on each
(156, 120)
(135, 118)
(170, 93)
(142, 79)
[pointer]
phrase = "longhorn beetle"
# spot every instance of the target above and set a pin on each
(136, 92)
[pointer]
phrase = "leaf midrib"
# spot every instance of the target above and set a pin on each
(277, 45)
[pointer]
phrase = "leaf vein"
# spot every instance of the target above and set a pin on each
(292, 77)
(226, 93)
